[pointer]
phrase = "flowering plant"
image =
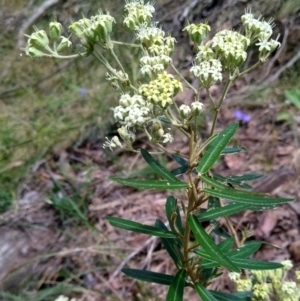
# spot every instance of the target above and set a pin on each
(150, 108)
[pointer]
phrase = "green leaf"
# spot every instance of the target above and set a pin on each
(241, 263)
(246, 250)
(246, 177)
(204, 293)
(246, 197)
(172, 208)
(215, 149)
(208, 245)
(293, 96)
(255, 264)
(226, 244)
(139, 228)
(181, 161)
(179, 171)
(175, 292)
(231, 182)
(150, 184)
(170, 244)
(210, 181)
(228, 297)
(157, 167)
(208, 142)
(222, 211)
(213, 203)
(233, 150)
(164, 119)
(149, 276)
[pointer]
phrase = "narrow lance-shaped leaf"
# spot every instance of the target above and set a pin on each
(210, 181)
(157, 167)
(215, 149)
(170, 244)
(233, 150)
(175, 292)
(246, 197)
(243, 264)
(223, 211)
(226, 244)
(139, 228)
(229, 297)
(246, 250)
(246, 177)
(150, 184)
(208, 245)
(171, 209)
(204, 293)
(149, 276)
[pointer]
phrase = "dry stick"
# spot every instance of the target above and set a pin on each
(246, 91)
(36, 14)
(131, 255)
(289, 64)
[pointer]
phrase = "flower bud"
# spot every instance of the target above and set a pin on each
(197, 32)
(197, 107)
(64, 44)
(76, 29)
(55, 29)
(116, 141)
(33, 52)
(185, 111)
(39, 39)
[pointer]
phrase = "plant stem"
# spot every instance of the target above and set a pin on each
(223, 96)
(185, 81)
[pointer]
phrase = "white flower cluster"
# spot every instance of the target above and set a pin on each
(138, 13)
(261, 31)
(208, 72)
(153, 40)
(94, 30)
(133, 111)
(154, 65)
(227, 50)
(231, 47)
(270, 283)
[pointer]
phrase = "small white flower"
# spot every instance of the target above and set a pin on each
(116, 141)
(287, 265)
(264, 45)
(158, 68)
(195, 70)
(168, 138)
(185, 111)
(146, 70)
(289, 287)
(197, 107)
(125, 100)
(109, 144)
(119, 113)
(233, 276)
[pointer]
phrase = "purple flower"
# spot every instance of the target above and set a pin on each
(240, 115)
(83, 91)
